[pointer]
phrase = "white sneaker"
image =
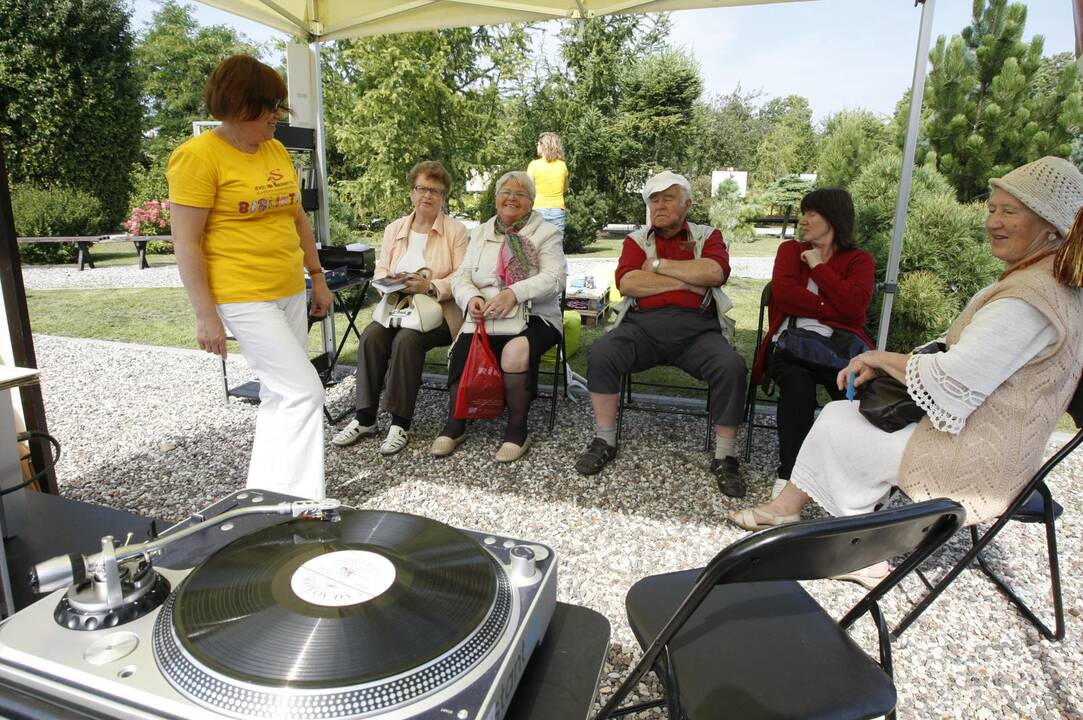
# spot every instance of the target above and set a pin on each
(353, 432)
(395, 441)
(777, 488)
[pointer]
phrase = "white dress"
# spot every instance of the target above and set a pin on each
(849, 466)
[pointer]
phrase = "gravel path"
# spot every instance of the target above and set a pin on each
(60, 277)
(150, 434)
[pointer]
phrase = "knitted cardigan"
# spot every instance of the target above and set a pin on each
(845, 281)
(998, 450)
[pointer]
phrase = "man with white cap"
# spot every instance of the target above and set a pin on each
(673, 313)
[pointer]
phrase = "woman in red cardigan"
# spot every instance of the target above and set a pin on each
(825, 284)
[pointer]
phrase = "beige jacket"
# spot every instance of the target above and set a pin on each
(986, 465)
(542, 289)
(443, 255)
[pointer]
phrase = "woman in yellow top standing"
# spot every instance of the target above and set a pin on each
(550, 176)
(243, 242)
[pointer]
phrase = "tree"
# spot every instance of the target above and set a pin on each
(173, 58)
(726, 132)
(788, 146)
(986, 115)
(851, 139)
(68, 101)
(393, 100)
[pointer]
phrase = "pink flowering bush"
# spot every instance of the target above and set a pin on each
(151, 218)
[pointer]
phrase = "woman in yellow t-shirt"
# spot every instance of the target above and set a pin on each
(243, 242)
(550, 176)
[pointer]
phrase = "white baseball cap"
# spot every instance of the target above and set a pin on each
(663, 180)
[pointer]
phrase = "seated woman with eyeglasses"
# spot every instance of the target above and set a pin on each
(243, 242)
(515, 257)
(428, 239)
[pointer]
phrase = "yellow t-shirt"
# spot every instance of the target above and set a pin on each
(250, 242)
(549, 180)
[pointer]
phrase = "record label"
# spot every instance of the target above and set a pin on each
(342, 578)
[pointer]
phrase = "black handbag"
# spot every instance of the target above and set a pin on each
(815, 351)
(885, 402)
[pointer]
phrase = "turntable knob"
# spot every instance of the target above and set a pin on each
(523, 570)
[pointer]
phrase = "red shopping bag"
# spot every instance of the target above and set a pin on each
(481, 387)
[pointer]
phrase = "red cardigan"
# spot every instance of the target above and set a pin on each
(846, 283)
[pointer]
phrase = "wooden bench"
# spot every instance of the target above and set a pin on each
(83, 243)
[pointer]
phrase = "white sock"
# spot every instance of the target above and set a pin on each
(724, 447)
(608, 434)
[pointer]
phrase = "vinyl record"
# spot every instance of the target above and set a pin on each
(310, 604)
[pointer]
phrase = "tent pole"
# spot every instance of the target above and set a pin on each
(921, 62)
(321, 150)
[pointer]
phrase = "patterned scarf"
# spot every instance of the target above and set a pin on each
(518, 256)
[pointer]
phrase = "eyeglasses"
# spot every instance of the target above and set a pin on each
(276, 106)
(423, 190)
(509, 194)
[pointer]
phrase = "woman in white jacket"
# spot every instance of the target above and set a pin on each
(514, 258)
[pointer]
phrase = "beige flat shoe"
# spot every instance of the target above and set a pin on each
(862, 577)
(510, 452)
(756, 519)
(444, 445)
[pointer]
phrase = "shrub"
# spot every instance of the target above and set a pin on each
(585, 214)
(727, 214)
(151, 218)
(54, 212)
(945, 258)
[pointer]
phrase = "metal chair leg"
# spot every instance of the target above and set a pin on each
(1048, 521)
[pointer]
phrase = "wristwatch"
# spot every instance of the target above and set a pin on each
(655, 264)
(432, 292)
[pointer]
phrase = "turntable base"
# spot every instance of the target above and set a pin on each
(55, 676)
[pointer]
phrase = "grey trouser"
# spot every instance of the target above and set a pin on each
(684, 338)
(403, 351)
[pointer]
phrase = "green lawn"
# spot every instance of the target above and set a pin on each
(162, 316)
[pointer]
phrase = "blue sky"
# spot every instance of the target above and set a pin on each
(837, 53)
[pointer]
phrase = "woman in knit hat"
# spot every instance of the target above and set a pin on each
(992, 397)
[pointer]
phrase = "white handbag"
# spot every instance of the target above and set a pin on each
(511, 324)
(411, 312)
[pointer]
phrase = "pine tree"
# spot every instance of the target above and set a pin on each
(986, 116)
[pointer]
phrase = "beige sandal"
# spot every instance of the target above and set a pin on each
(756, 519)
(863, 578)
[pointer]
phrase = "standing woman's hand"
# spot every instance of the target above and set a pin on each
(211, 334)
(321, 297)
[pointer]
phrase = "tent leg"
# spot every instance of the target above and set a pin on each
(921, 63)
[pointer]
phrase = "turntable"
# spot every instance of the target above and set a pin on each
(331, 614)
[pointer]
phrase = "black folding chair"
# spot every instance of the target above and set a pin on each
(559, 373)
(742, 639)
(1034, 504)
(628, 403)
(753, 389)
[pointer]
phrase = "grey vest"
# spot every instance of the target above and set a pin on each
(699, 234)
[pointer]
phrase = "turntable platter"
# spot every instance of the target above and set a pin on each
(389, 602)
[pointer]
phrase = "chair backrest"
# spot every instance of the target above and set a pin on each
(765, 295)
(832, 546)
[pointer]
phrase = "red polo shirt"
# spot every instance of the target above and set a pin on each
(670, 248)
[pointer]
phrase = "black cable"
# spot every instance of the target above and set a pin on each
(23, 436)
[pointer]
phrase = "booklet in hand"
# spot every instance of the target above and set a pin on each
(388, 285)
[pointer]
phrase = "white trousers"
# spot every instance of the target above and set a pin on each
(287, 453)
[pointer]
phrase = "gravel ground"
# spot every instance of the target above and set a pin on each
(132, 441)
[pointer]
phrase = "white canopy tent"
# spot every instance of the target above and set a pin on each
(314, 21)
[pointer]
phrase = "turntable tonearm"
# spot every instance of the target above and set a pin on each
(330, 613)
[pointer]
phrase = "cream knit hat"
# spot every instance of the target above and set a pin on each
(1051, 186)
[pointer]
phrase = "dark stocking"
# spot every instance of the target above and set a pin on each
(453, 428)
(517, 398)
